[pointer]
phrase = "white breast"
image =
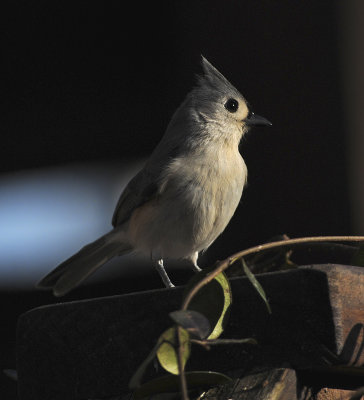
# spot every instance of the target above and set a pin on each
(199, 196)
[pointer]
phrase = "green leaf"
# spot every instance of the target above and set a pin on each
(256, 284)
(170, 383)
(194, 322)
(212, 300)
(136, 379)
(168, 347)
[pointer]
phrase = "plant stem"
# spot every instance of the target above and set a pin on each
(208, 343)
(223, 265)
(182, 376)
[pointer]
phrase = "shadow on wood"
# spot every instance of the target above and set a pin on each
(90, 348)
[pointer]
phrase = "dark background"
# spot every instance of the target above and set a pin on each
(98, 81)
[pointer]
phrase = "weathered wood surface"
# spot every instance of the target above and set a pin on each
(334, 394)
(90, 349)
(346, 292)
(277, 384)
(274, 384)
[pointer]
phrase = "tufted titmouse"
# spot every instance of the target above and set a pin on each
(186, 193)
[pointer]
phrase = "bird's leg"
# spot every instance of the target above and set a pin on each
(194, 258)
(163, 274)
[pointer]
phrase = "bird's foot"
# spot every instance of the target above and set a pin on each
(163, 274)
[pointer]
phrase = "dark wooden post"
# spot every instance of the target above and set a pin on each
(90, 349)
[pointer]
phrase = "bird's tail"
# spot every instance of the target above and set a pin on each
(77, 268)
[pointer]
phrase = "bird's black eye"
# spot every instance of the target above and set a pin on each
(232, 105)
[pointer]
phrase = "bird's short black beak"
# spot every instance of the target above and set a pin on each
(256, 120)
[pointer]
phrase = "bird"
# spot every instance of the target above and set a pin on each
(186, 193)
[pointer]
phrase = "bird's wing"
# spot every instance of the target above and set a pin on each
(148, 183)
(143, 187)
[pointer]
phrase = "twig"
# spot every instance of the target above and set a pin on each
(208, 343)
(223, 265)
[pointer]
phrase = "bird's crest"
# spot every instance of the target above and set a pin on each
(214, 79)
